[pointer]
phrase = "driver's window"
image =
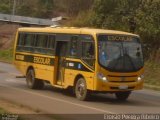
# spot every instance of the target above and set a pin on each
(88, 50)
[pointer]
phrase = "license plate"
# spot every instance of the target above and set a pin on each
(123, 87)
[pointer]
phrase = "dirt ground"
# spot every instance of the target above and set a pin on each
(7, 34)
(15, 108)
(24, 112)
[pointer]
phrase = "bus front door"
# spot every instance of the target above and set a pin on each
(61, 50)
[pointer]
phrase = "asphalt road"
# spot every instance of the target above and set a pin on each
(56, 101)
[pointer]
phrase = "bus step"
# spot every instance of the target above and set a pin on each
(57, 86)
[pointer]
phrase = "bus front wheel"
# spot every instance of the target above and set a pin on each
(122, 96)
(32, 82)
(81, 91)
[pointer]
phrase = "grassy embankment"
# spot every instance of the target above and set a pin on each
(152, 75)
(2, 111)
(6, 55)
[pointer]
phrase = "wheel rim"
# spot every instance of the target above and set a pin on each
(81, 89)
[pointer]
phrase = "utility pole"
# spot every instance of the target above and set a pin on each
(14, 7)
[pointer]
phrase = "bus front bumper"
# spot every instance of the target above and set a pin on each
(118, 86)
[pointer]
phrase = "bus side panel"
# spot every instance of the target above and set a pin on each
(70, 76)
(21, 66)
(43, 72)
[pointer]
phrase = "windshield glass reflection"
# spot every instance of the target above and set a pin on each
(123, 56)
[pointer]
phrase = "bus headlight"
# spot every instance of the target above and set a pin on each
(140, 78)
(102, 77)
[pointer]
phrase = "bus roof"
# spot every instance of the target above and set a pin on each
(74, 30)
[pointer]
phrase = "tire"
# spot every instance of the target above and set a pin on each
(122, 96)
(80, 90)
(32, 82)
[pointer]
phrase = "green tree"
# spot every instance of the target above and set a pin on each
(120, 15)
(45, 8)
(5, 6)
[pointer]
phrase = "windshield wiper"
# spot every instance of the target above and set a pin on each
(132, 63)
(118, 58)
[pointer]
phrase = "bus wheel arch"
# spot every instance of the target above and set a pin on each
(32, 81)
(77, 77)
(80, 88)
(29, 68)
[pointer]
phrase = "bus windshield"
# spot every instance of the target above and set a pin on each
(120, 54)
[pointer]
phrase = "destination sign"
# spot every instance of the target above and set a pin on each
(119, 38)
(42, 60)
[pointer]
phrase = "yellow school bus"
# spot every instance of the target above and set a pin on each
(87, 60)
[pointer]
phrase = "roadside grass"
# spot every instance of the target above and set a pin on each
(2, 111)
(6, 55)
(152, 75)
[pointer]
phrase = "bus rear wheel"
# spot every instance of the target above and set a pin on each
(32, 82)
(81, 91)
(122, 96)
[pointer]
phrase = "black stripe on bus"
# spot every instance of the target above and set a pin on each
(35, 59)
(76, 66)
(50, 62)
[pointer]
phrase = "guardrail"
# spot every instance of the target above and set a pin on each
(26, 20)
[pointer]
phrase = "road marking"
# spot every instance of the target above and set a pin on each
(60, 100)
(14, 80)
(15, 74)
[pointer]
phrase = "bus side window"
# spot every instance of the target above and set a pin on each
(28, 42)
(51, 45)
(20, 42)
(41, 43)
(88, 50)
(74, 46)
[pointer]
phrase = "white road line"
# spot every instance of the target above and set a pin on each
(14, 80)
(60, 100)
(15, 74)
